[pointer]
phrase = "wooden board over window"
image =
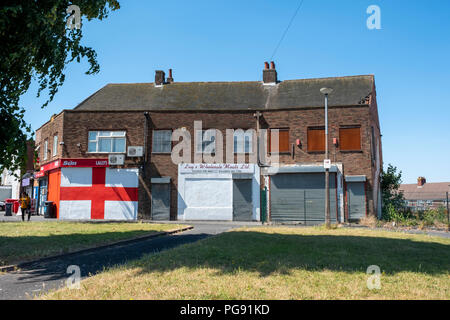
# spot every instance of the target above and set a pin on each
(350, 139)
(283, 146)
(316, 140)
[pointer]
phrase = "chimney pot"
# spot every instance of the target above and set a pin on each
(270, 75)
(170, 78)
(160, 77)
(421, 181)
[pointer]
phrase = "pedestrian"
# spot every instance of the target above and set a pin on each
(25, 205)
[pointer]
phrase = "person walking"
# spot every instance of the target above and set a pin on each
(25, 205)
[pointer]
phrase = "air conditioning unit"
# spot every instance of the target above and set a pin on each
(135, 151)
(116, 159)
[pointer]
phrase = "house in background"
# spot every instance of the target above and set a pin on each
(13, 183)
(110, 157)
(423, 195)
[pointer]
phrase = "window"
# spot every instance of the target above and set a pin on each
(206, 141)
(45, 149)
(243, 141)
(283, 140)
(350, 139)
(429, 202)
(107, 142)
(55, 146)
(316, 139)
(162, 141)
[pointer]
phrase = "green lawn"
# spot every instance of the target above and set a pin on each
(23, 241)
(281, 263)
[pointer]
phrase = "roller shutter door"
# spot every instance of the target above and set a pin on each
(242, 200)
(300, 197)
(160, 201)
(356, 199)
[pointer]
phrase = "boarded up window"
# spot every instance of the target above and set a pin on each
(350, 139)
(283, 140)
(316, 139)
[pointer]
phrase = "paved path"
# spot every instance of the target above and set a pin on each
(40, 277)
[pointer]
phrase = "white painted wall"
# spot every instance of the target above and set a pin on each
(8, 179)
(209, 196)
(76, 177)
(75, 210)
(121, 210)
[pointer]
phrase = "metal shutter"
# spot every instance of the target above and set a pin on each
(356, 198)
(242, 200)
(300, 197)
(160, 201)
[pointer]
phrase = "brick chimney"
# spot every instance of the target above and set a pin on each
(270, 74)
(160, 77)
(421, 181)
(170, 78)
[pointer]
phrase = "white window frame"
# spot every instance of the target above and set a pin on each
(241, 136)
(206, 135)
(114, 134)
(55, 145)
(45, 149)
(153, 141)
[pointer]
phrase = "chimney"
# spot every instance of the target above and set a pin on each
(170, 78)
(421, 181)
(160, 77)
(270, 75)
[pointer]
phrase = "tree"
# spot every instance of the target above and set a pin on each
(37, 45)
(390, 183)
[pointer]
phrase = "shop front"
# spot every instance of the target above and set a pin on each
(84, 189)
(220, 192)
(297, 193)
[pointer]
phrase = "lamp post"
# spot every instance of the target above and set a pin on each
(326, 92)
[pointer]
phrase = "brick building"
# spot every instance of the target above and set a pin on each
(75, 149)
(423, 195)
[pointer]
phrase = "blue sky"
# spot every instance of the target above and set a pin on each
(212, 40)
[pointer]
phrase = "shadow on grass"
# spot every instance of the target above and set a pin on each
(18, 249)
(282, 253)
(92, 261)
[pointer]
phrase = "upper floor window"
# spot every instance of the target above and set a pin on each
(162, 141)
(107, 141)
(242, 141)
(55, 146)
(205, 141)
(45, 149)
(316, 139)
(283, 140)
(350, 138)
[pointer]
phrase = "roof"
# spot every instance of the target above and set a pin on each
(429, 191)
(253, 95)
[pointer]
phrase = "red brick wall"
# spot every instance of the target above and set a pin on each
(78, 124)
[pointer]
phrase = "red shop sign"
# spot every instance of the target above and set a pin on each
(87, 163)
(73, 163)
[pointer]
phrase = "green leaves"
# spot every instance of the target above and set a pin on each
(37, 45)
(390, 182)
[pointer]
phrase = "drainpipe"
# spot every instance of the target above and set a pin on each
(147, 119)
(257, 115)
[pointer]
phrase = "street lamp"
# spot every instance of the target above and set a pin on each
(326, 92)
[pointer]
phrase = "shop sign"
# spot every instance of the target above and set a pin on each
(72, 163)
(216, 168)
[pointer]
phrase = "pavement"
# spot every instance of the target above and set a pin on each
(38, 278)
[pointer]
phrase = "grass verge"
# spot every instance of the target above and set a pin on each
(20, 242)
(281, 263)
